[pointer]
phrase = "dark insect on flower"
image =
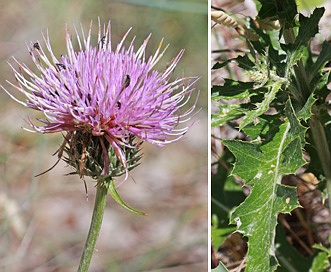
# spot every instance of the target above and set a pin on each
(119, 105)
(36, 46)
(102, 42)
(126, 84)
(60, 66)
(127, 81)
(107, 102)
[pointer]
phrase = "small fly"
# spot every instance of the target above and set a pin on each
(36, 46)
(126, 83)
(60, 66)
(102, 42)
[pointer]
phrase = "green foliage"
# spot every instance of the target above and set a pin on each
(283, 10)
(262, 166)
(111, 188)
(281, 113)
(219, 235)
(220, 268)
(321, 261)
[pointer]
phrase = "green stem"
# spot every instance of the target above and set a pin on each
(299, 70)
(96, 221)
(315, 125)
(323, 150)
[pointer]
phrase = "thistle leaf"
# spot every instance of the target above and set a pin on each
(305, 112)
(262, 166)
(227, 112)
(115, 195)
(263, 106)
(323, 58)
(220, 268)
(283, 10)
(242, 61)
(232, 89)
(308, 27)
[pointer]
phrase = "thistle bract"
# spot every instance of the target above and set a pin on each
(106, 102)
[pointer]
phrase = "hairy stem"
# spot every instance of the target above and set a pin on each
(96, 221)
(299, 70)
(323, 151)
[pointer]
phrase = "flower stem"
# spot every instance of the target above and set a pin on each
(96, 221)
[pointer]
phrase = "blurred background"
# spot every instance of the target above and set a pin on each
(44, 221)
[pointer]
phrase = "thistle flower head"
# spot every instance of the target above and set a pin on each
(106, 102)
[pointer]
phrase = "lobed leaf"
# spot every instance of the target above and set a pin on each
(233, 89)
(220, 268)
(227, 112)
(323, 58)
(306, 112)
(308, 27)
(262, 166)
(242, 61)
(283, 10)
(263, 106)
(321, 262)
(219, 235)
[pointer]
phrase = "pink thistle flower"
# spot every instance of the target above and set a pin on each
(105, 101)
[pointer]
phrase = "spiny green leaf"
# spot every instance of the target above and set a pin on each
(226, 193)
(323, 248)
(323, 58)
(322, 90)
(320, 263)
(233, 89)
(277, 59)
(262, 165)
(284, 10)
(263, 106)
(319, 83)
(294, 54)
(219, 65)
(308, 27)
(297, 130)
(220, 268)
(264, 127)
(242, 61)
(305, 112)
(218, 236)
(227, 112)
